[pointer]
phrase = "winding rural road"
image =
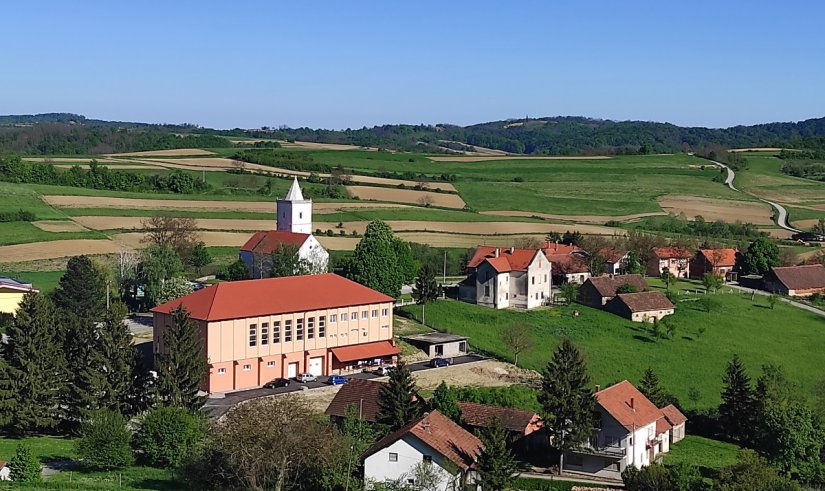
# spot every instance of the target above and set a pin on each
(782, 213)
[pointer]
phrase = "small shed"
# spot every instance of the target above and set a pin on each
(439, 344)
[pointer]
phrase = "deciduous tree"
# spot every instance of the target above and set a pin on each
(380, 260)
(761, 256)
(105, 441)
(200, 257)
(570, 292)
(237, 271)
(517, 336)
(178, 233)
(158, 264)
(712, 282)
(426, 287)
(568, 400)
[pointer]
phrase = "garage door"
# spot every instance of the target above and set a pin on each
(316, 366)
(292, 370)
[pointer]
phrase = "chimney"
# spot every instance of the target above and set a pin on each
(631, 404)
(598, 388)
(512, 250)
(496, 251)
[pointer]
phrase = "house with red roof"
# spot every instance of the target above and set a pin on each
(615, 260)
(674, 259)
(293, 229)
(796, 281)
(630, 431)
(433, 440)
(254, 331)
(500, 277)
(522, 427)
(721, 262)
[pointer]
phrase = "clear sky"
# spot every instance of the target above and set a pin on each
(349, 64)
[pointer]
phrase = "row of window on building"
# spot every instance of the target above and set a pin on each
(299, 327)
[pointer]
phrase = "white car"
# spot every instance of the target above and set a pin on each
(383, 370)
(306, 377)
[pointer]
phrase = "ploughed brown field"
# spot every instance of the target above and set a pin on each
(571, 218)
(718, 209)
(56, 248)
(164, 153)
(59, 226)
(406, 196)
(485, 158)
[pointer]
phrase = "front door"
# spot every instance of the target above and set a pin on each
(292, 370)
(316, 366)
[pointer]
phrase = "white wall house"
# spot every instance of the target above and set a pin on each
(507, 277)
(293, 228)
(433, 440)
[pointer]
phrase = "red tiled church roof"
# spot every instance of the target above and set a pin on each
(271, 296)
(442, 435)
(270, 241)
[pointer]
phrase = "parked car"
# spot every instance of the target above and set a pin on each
(278, 382)
(383, 370)
(337, 380)
(439, 362)
(306, 377)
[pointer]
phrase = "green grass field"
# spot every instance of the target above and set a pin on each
(45, 281)
(20, 196)
(764, 179)
(618, 349)
(25, 232)
(702, 452)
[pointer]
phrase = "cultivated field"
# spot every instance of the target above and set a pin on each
(56, 248)
(59, 226)
(710, 209)
(489, 158)
(572, 218)
(164, 153)
(406, 196)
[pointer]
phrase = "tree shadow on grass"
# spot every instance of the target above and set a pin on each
(688, 338)
(762, 306)
(645, 339)
(160, 484)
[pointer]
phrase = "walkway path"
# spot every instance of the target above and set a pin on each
(782, 217)
(800, 305)
(576, 479)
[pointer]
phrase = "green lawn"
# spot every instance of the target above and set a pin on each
(702, 452)
(617, 349)
(25, 232)
(45, 281)
(21, 196)
(764, 179)
(46, 448)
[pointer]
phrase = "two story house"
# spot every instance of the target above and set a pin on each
(507, 277)
(721, 262)
(630, 431)
(674, 259)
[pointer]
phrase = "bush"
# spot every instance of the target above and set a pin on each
(17, 216)
(168, 435)
(24, 466)
(105, 442)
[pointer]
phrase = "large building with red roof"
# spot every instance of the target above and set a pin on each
(502, 277)
(721, 262)
(293, 229)
(254, 331)
(672, 258)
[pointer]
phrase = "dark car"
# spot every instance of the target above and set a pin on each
(337, 380)
(439, 362)
(278, 382)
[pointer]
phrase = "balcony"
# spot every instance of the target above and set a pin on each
(614, 450)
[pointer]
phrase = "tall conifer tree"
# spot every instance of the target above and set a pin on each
(182, 367)
(736, 413)
(496, 464)
(567, 398)
(396, 404)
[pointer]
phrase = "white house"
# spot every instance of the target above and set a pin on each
(294, 228)
(630, 430)
(507, 277)
(431, 440)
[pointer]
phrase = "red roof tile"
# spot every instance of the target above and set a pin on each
(270, 241)
(628, 406)
(673, 415)
(720, 257)
(363, 394)
(644, 301)
(503, 259)
(442, 435)
(612, 255)
(607, 285)
(482, 415)
(568, 264)
(366, 351)
(671, 252)
(800, 277)
(271, 296)
(555, 248)
(662, 426)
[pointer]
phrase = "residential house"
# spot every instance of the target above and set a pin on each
(362, 394)
(507, 277)
(11, 294)
(569, 268)
(615, 260)
(433, 439)
(522, 427)
(597, 291)
(721, 262)
(796, 281)
(630, 431)
(5, 472)
(677, 422)
(254, 331)
(294, 229)
(674, 259)
(641, 306)
(439, 344)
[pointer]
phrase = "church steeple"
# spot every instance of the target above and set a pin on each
(295, 212)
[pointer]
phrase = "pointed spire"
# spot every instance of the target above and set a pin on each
(294, 193)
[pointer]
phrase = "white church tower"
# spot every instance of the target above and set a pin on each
(294, 212)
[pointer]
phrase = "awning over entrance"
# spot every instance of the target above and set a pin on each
(365, 351)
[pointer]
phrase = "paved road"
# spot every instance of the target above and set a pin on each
(218, 406)
(786, 300)
(782, 217)
(576, 478)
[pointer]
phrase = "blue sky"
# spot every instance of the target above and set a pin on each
(350, 64)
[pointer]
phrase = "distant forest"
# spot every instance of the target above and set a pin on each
(60, 133)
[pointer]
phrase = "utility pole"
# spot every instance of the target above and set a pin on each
(444, 276)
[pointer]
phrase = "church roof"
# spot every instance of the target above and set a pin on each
(294, 193)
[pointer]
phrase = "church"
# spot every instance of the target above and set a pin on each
(294, 228)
